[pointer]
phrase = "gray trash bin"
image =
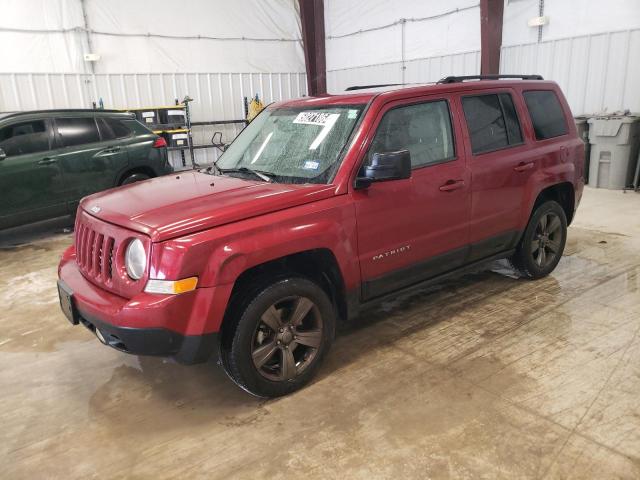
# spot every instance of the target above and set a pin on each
(582, 126)
(614, 149)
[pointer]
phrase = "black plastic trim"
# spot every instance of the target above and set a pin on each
(430, 281)
(187, 349)
(441, 265)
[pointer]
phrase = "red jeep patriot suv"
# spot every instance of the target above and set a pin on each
(321, 206)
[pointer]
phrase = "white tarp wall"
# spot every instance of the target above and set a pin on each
(367, 41)
(152, 52)
(590, 47)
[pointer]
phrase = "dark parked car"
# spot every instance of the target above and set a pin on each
(320, 207)
(49, 160)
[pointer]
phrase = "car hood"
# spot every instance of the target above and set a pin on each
(191, 201)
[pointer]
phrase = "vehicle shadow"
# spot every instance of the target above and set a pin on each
(27, 234)
(460, 304)
(191, 395)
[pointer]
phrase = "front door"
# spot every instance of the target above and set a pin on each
(31, 182)
(410, 230)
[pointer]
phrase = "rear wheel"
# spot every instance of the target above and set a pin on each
(134, 177)
(543, 241)
(280, 338)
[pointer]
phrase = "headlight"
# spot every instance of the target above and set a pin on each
(135, 259)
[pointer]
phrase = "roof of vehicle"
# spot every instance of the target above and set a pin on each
(54, 112)
(363, 96)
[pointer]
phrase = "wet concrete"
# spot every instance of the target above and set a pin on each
(486, 376)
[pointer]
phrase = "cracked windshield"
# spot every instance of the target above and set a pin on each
(291, 145)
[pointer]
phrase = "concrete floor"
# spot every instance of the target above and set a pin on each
(486, 376)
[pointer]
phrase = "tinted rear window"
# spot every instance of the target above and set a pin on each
(546, 114)
(77, 131)
(111, 128)
(511, 119)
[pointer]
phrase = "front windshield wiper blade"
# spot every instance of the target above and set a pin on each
(266, 176)
(210, 168)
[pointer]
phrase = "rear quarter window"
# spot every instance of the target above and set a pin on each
(546, 114)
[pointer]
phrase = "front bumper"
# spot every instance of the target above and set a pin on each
(181, 326)
(186, 349)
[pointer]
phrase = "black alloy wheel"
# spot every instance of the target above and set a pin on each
(287, 338)
(277, 335)
(543, 241)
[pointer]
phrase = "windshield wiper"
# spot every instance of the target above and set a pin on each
(210, 168)
(265, 176)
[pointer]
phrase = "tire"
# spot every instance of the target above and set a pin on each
(268, 329)
(134, 177)
(542, 243)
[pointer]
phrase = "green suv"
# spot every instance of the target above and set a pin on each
(50, 159)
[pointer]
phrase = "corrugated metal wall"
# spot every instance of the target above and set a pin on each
(217, 96)
(596, 72)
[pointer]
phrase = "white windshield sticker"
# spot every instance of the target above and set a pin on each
(352, 114)
(311, 165)
(327, 126)
(315, 118)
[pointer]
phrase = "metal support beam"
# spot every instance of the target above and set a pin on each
(490, 35)
(87, 34)
(312, 19)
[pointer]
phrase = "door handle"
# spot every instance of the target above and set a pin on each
(452, 185)
(524, 166)
(47, 161)
(109, 150)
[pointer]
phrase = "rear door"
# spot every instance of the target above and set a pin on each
(90, 163)
(501, 165)
(31, 181)
(410, 230)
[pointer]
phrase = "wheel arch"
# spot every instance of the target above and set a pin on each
(320, 265)
(563, 193)
(145, 169)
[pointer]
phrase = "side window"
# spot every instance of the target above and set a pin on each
(77, 131)
(511, 119)
(424, 129)
(546, 114)
(120, 130)
(111, 128)
(25, 137)
(492, 122)
(106, 133)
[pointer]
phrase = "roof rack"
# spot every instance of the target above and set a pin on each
(59, 110)
(362, 87)
(456, 79)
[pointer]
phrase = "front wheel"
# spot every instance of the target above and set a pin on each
(542, 243)
(280, 338)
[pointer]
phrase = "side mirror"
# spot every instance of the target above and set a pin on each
(3, 155)
(386, 166)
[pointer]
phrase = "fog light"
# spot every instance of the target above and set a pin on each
(171, 287)
(101, 337)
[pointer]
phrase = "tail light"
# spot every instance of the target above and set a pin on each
(160, 143)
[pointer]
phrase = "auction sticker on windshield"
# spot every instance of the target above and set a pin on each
(316, 118)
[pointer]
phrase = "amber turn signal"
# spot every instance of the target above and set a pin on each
(171, 287)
